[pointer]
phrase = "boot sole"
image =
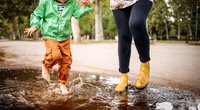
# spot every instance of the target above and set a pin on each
(126, 88)
(142, 88)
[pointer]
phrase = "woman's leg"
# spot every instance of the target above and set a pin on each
(124, 45)
(125, 38)
(138, 29)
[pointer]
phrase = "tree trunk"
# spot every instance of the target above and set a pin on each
(166, 29)
(179, 31)
(190, 31)
(76, 30)
(13, 29)
(19, 32)
(18, 35)
(98, 23)
(189, 35)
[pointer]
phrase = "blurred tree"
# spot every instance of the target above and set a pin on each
(158, 19)
(14, 12)
(109, 26)
(76, 30)
(98, 22)
(87, 23)
(177, 18)
(184, 16)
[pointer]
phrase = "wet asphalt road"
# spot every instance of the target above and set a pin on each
(175, 65)
(88, 92)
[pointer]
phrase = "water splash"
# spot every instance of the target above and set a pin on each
(25, 89)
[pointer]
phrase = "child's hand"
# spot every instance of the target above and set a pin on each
(86, 2)
(29, 31)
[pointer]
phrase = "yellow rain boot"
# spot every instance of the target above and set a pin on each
(122, 84)
(143, 77)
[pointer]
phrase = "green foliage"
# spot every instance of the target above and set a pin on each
(109, 26)
(157, 17)
(87, 23)
(2, 53)
(180, 16)
(184, 14)
(15, 14)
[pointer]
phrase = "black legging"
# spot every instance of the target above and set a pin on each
(131, 21)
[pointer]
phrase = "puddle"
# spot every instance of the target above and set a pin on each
(25, 89)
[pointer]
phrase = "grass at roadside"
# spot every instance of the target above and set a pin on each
(91, 41)
(194, 43)
(2, 54)
(169, 41)
(114, 41)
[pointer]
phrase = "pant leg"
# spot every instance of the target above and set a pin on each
(125, 38)
(65, 62)
(138, 29)
(52, 55)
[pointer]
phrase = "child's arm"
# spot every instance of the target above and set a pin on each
(35, 19)
(82, 10)
(38, 14)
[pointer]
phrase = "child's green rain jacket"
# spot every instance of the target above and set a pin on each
(53, 26)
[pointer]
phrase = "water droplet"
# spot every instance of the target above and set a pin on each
(164, 106)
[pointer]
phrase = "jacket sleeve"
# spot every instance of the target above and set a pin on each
(80, 11)
(37, 15)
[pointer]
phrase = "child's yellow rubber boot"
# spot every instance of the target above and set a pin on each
(143, 77)
(122, 84)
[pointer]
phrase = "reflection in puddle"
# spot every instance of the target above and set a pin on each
(25, 89)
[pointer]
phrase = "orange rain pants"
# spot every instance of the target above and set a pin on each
(58, 53)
